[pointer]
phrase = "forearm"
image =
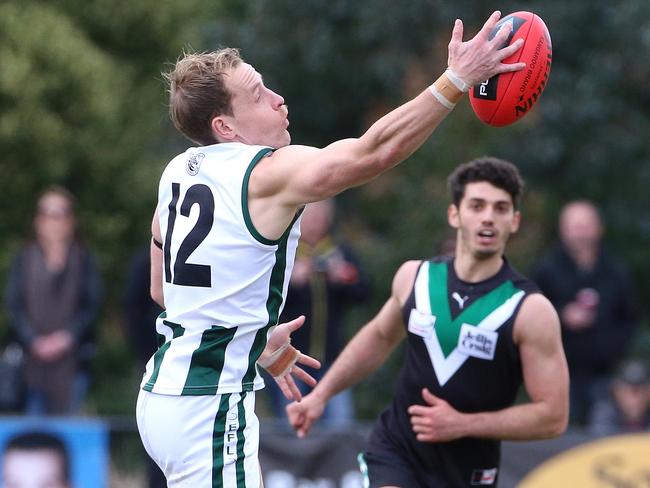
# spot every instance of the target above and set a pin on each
(396, 135)
(364, 354)
(528, 421)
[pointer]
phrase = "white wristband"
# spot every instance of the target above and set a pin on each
(441, 98)
(458, 83)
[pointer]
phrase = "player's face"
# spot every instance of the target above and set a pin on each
(33, 469)
(259, 114)
(485, 219)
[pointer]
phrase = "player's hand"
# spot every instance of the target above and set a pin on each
(303, 415)
(437, 421)
(480, 58)
(287, 382)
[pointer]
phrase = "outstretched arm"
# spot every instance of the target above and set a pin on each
(365, 352)
(546, 378)
(295, 175)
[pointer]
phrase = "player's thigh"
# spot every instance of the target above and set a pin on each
(202, 440)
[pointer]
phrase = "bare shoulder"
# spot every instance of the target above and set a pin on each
(271, 172)
(537, 320)
(404, 279)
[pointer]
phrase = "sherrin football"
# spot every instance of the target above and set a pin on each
(507, 97)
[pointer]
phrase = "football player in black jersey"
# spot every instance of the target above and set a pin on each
(476, 330)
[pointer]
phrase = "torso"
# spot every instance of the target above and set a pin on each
(460, 346)
(224, 284)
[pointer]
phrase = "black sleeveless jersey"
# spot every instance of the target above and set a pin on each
(460, 347)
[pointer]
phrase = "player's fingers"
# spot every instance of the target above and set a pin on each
(304, 376)
(417, 410)
(490, 23)
(506, 68)
(429, 397)
(305, 427)
(502, 34)
(284, 388)
(295, 392)
(457, 33)
(510, 50)
(308, 361)
(294, 324)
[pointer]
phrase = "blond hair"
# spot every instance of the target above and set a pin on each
(198, 93)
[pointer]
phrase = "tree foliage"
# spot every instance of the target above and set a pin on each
(82, 104)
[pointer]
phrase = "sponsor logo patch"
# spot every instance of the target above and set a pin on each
(477, 342)
(421, 324)
(484, 476)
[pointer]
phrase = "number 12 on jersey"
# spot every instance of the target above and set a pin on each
(184, 273)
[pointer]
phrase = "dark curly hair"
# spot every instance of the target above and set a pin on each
(498, 172)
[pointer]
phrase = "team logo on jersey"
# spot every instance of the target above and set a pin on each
(476, 342)
(484, 476)
(194, 164)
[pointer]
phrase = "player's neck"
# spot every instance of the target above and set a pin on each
(472, 270)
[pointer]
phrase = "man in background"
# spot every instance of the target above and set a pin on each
(595, 297)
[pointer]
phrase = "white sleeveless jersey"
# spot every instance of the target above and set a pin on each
(224, 284)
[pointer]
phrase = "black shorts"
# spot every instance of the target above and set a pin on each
(385, 464)
(391, 461)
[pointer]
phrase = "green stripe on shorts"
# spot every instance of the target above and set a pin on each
(217, 442)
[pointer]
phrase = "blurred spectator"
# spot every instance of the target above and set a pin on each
(595, 298)
(627, 409)
(140, 313)
(36, 460)
(53, 297)
(326, 280)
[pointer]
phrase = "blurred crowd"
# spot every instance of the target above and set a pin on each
(54, 292)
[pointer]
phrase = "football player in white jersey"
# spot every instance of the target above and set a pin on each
(224, 237)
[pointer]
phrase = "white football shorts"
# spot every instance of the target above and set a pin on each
(202, 441)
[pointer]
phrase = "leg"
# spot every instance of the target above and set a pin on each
(202, 440)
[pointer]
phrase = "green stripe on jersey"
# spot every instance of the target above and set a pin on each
(218, 433)
(244, 199)
(448, 330)
(207, 361)
(273, 303)
(177, 331)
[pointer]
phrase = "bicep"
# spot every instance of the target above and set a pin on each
(303, 174)
(544, 365)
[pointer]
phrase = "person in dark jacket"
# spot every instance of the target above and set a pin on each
(595, 297)
(53, 297)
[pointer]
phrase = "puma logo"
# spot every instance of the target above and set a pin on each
(461, 300)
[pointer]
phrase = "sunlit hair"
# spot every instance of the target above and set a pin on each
(498, 172)
(198, 93)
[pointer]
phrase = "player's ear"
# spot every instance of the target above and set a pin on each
(452, 216)
(223, 127)
(516, 219)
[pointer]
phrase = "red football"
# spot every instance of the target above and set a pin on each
(506, 98)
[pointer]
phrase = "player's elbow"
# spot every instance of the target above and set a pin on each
(556, 422)
(558, 426)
